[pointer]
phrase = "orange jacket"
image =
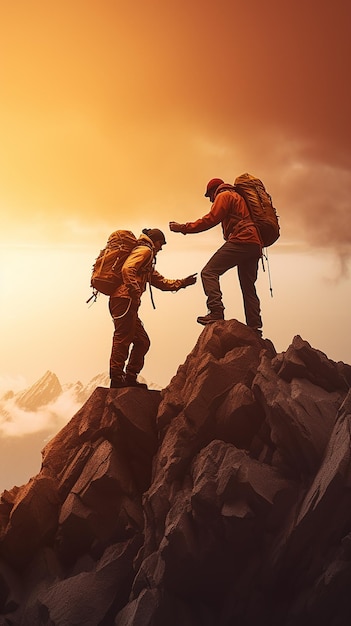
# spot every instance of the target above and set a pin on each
(230, 209)
(138, 270)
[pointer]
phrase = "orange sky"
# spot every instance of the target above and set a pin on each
(116, 114)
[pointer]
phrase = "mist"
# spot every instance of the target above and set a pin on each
(17, 422)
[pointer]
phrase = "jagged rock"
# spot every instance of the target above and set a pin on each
(103, 503)
(88, 596)
(302, 361)
(300, 416)
(316, 548)
(228, 511)
(239, 417)
(141, 610)
(10, 589)
(31, 522)
(226, 355)
(225, 499)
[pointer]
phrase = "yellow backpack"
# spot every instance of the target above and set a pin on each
(106, 275)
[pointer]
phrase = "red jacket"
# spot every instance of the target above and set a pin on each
(229, 209)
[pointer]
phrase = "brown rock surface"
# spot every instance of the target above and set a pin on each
(225, 499)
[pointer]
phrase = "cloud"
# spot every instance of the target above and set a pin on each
(15, 422)
(15, 383)
(131, 127)
(320, 197)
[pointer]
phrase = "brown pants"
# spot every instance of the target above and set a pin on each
(245, 257)
(129, 330)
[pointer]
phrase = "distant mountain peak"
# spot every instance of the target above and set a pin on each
(45, 390)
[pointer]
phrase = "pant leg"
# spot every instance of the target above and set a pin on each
(227, 257)
(247, 272)
(141, 345)
(214, 268)
(124, 315)
(246, 258)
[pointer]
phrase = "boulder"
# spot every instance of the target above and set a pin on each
(223, 499)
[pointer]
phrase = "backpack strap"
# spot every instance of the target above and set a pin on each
(150, 269)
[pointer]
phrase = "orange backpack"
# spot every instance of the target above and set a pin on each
(260, 206)
(106, 275)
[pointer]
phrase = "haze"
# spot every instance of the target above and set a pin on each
(116, 115)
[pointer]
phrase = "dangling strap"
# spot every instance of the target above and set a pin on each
(265, 255)
(149, 281)
(151, 296)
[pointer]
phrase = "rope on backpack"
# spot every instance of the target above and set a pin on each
(265, 256)
(93, 297)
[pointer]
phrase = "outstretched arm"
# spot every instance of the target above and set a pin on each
(206, 222)
(166, 284)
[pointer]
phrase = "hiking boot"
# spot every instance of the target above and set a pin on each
(213, 316)
(131, 381)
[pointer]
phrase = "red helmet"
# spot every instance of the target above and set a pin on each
(212, 186)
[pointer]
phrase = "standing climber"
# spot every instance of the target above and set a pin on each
(124, 304)
(242, 249)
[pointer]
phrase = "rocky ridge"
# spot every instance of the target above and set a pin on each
(45, 391)
(223, 499)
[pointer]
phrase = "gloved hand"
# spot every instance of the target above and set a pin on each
(177, 228)
(189, 280)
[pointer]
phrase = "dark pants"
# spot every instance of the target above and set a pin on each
(129, 330)
(245, 257)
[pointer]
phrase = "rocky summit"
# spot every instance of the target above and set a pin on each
(223, 500)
